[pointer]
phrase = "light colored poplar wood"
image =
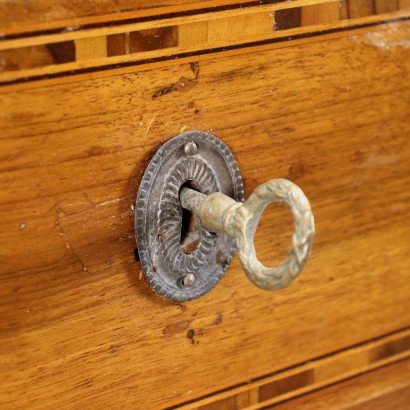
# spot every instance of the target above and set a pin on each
(192, 34)
(91, 48)
(320, 14)
(240, 28)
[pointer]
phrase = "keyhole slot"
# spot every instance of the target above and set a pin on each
(190, 237)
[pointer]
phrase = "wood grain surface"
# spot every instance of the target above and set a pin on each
(20, 16)
(24, 16)
(383, 389)
(44, 53)
(80, 326)
(300, 380)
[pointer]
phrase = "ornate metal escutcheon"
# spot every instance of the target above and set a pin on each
(190, 215)
(180, 258)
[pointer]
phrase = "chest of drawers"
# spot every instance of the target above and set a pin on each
(317, 92)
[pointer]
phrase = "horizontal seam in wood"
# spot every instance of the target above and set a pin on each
(262, 405)
(368, 342)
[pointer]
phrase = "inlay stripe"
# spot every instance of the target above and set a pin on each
(309, 376)
(75, 49)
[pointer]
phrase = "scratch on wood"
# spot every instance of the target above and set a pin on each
(64, 236)
(113, 201)
(150, 123)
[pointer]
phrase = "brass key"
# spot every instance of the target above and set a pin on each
(220, 213)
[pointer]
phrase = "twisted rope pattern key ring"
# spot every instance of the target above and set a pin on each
(219, 213)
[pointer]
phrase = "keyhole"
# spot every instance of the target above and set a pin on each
(190, 238)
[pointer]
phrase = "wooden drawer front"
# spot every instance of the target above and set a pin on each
(80, 326)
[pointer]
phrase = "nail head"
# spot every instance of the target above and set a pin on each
(190, 148)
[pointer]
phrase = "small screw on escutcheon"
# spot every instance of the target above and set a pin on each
(190, 148)
(187, 281)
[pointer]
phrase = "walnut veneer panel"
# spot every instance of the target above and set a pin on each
(80, 326)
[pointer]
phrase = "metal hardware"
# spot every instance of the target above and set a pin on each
(190, 213)
(180, 258)
(190, 148)
(219, 213)
(187, 281)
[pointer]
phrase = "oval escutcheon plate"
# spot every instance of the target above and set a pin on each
(181, 259)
